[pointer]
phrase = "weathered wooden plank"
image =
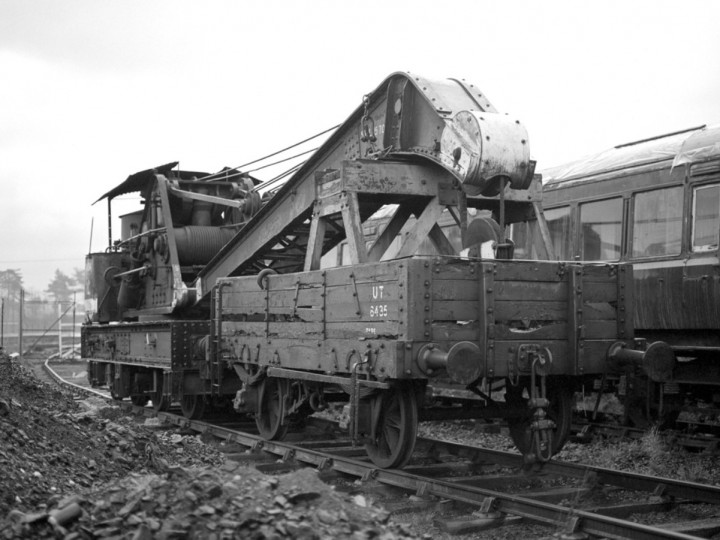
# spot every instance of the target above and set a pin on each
(599, 272)
(531, 290)
(599, 291)
(345, 309)
(274, 299)
(386, 310)
(234, 332)
(376, 330)
(279, 301)
(454, 268)
(421, 229)
(369, 272)
(330, 355)
(366, 292)
(552, 330)
(600, 329)
(455, 289)
(531, 270)
(531, 311)
(448, 331)
(594, 311)
(366, 273)
(387, 177)
(387, 237)
(302, 314)
(455, 310)
(440, 241)
(289, 281)
(315, 242)
(245, 301)
(353, 228)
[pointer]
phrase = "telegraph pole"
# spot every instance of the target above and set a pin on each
(20, 328)
(72, 349)
(60, 316)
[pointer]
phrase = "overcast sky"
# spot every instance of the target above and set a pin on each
(94, 90)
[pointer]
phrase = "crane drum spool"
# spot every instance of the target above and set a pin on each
(197, 245)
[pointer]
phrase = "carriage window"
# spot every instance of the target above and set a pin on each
(526, 236)
(527, 239)
(657, 223)
(706, 218)
(558, 220)
(601, 230)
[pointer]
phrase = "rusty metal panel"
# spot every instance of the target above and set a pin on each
(161, 345)
(398, 178)
(101, 290)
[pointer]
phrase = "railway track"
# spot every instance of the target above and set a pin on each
(585, 432)
(473, 488)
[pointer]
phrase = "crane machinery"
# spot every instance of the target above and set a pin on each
(217, 295)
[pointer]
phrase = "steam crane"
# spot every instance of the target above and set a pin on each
(221, 296)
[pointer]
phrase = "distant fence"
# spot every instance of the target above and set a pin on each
(40, 325)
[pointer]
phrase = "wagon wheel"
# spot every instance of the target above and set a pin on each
(139, 400)
(160, 401)
(92, 374)
(396, 414)
(271, 407)
(110, 381)
(559, 411)
(193, 406)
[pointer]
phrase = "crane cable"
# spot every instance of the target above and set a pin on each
(221, 176)
(279, 177)
(282, 160)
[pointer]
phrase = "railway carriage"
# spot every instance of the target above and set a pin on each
(655, 204)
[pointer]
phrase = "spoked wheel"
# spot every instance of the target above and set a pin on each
(193, 406)
(559, 411)
(396, 415)
(139, 400)
(110, 381)
(271, 409)
(160, 401)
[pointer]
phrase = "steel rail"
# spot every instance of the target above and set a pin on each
(666, 487)
(542, 512)
(709, 445)
(78, 387)
(571, 520)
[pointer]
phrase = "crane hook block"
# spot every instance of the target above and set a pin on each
(487, 151)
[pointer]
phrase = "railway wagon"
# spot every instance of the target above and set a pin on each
(218, 295)
(655, 204)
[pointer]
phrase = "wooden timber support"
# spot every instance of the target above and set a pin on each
(363, 186)
(351, 193)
